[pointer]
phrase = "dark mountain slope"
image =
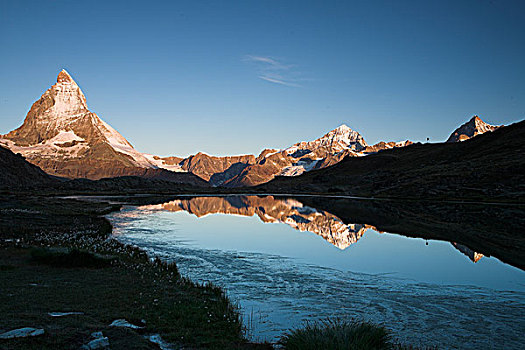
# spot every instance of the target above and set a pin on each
(488, 167)
(16, 172)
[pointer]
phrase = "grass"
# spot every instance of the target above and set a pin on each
(183, 312)
(336, 334)
(54, 258)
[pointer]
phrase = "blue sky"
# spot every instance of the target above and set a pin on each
(178, 77)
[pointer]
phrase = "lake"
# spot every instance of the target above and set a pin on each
(285, 262)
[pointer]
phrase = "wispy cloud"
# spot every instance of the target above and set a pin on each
(274, 71)
(278, 81)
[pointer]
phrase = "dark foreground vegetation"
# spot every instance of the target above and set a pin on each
(337, 334)
(55, 257)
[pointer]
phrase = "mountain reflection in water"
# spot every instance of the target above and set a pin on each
(270, 210)
(288, 211)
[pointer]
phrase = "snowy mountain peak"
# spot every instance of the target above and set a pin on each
(343, 128)
(64, 77)
(345, 137)
(60, 128)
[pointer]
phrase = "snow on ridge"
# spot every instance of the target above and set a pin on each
(298, 168)
(120, 144)
(340, 138)
(65, 137)
(160, 163)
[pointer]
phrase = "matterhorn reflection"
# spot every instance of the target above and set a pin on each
(272, 210)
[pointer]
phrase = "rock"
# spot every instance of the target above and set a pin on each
(123, 323)
(61, 314)
(157, 339)
(216, 170)
(97, 335)
(99, 343)
(300, 157)
(22, 333)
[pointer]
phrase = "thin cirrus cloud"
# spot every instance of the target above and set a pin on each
(274, 71)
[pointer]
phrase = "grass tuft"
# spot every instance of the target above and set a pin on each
(335, 334)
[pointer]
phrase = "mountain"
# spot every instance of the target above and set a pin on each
(488, 167)
(302, 157)
(62, 137)
(473, 127)
(216, 170)
(249, 170)
(16, 172)
(288, 211)
(272, 210)
(488, 230)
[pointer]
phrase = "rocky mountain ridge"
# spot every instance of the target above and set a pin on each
(61, 136)
(488, 167)
(64, 138)
(17, 172)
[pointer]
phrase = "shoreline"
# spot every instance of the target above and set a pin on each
(95, 237)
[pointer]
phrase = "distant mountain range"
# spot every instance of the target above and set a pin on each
(488, 167)
(62, 137)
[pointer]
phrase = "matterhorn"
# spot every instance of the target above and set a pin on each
(63, 138)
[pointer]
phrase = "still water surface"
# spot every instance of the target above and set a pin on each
(284, 263)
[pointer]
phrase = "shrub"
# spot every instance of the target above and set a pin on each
(337, 334)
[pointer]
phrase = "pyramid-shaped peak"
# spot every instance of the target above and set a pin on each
(473, 127)
(476, 119)
(477, 122)
(64, 77)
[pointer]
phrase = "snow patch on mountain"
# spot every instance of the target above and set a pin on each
(162, 164)
(299, 168)
(65, 137)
